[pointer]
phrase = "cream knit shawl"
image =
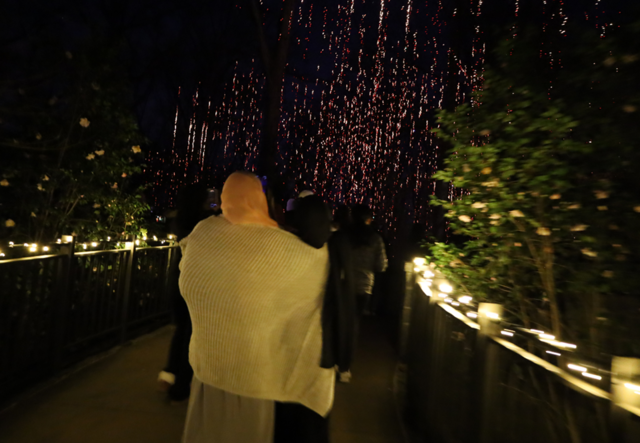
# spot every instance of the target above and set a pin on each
(255, 298)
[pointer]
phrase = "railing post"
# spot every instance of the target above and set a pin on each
(487, 372)
(131, 245)
(625, 387)
(175, 254)
(419, 357)
(405, 315)
(436, 343)
(65, 274)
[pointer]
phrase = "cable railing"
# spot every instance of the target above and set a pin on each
(59, 308)
(471, 377)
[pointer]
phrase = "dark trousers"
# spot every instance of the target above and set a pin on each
(178, 361)
(296, 423)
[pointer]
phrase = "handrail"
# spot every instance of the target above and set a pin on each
(579, 384)
(157, 247)
(459, 315)
(114, 295)
(34, 257)
(101, 251)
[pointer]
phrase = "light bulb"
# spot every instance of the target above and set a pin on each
(593, 376)
(419, 261)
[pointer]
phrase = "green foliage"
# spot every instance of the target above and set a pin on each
(550, 213)
(71, 148)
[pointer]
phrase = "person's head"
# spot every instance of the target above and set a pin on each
(244, 202)
(342, 216)
(361, 232)
(312, 221)
(361, 215)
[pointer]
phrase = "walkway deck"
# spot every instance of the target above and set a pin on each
(115, 400)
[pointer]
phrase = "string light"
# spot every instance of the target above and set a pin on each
(559, 344)
(466, 299)
(352, 118)
(593, 376)
(576, 367)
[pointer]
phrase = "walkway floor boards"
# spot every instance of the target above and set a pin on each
(115, 400)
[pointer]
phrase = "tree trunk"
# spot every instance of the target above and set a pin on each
(275, 64)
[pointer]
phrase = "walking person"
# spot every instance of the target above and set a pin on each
(255, 295)
(313, 224)
(175, 378)
(369, 255)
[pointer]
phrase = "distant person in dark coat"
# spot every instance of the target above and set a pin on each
(369, 255)
(175, 379)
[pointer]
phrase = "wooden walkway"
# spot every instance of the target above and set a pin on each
(115, 400)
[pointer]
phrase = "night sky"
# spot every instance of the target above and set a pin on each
(362, 82)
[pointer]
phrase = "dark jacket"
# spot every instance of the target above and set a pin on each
(312, 222)
(339, 309)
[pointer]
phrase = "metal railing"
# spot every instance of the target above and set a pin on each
(466, 382)
(58, 309)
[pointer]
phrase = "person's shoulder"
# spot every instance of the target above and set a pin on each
(214, 220)
(210, 223)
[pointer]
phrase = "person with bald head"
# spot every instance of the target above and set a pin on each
(255, 295)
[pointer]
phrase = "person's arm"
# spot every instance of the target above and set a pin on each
(380, 255)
